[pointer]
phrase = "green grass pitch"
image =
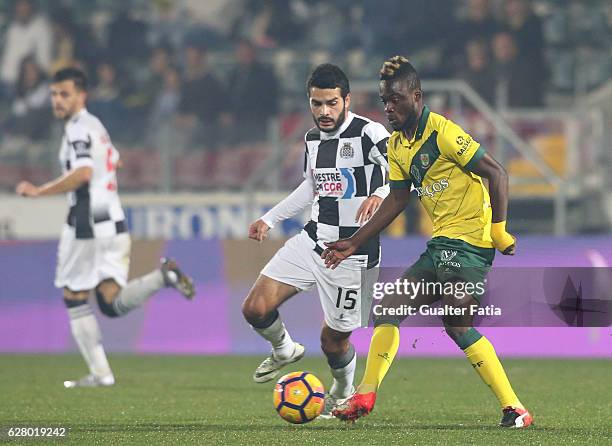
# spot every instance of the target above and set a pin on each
(212, 400)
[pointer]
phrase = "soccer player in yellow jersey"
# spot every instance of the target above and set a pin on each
(433, 157)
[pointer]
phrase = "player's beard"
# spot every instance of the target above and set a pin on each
(339, 122)
(67, 114)
(411, 121)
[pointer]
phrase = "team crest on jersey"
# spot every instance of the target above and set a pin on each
(447, 255)
(425, 159)
(415, 173)
(346, 151)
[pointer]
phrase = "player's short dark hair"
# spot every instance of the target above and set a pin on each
(399, 67)
(73, 74)
(329, 76)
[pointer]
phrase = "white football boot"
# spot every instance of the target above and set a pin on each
(175, 278)
(332, 403)
(91, 381)
(269, 368)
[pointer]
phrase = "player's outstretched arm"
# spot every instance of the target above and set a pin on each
(487, 167)
(293, 204)
(390, 208)
(68, 182)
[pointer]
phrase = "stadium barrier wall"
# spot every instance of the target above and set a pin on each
(33, 317)
(152, 216)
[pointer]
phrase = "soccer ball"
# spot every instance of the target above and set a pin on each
(299, 397)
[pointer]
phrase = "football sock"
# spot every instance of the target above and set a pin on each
(383, 347)
(481, 354)
(86, 333)
(137, 291)
(273, 330)
(343, 371)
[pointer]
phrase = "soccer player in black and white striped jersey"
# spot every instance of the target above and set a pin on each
(94, 247)
(344, 183)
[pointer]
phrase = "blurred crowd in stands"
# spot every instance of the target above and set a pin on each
(211, 73)
(144, 74)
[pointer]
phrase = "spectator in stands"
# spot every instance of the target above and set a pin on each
(151, 81)
(342, 17)
(105, 100)
(141, 89)
(478, 71)
(378, 36)
(127, 39)
(164, 110)
(160, 61)
(434, 21)
(518, 83)
(168, 24)
(251, 98)
(269, 24)
(211, 21)
(28, 34)
(71, 42)
(30, 113)
(168, 101)
(64, 51)
(479, 23)
(200, 101)
(526, 29)
(476, 22)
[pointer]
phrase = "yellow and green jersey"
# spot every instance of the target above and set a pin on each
(436, 164)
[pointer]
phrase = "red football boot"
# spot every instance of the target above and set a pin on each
(359, 405)
(516, 417)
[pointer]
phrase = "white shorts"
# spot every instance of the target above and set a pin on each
(83, 263)
(345, 293)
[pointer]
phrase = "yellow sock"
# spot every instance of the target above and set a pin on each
(383, 347)
(483, 358)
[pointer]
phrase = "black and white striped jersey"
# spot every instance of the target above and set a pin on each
(346, 167)
(95, 208)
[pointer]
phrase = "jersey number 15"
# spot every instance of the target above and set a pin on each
(349, 302)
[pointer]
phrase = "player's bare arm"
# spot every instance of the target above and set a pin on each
(65, 183)
(487, 167)
(390, 208)
(368, 208)
(371, 205)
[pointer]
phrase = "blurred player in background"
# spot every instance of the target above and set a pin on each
(94, 248)
(439, 161)
(344, 181)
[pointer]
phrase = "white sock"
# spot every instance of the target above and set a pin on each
(343, 379)
(137, 291)
(282, 344)
(86, 333)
